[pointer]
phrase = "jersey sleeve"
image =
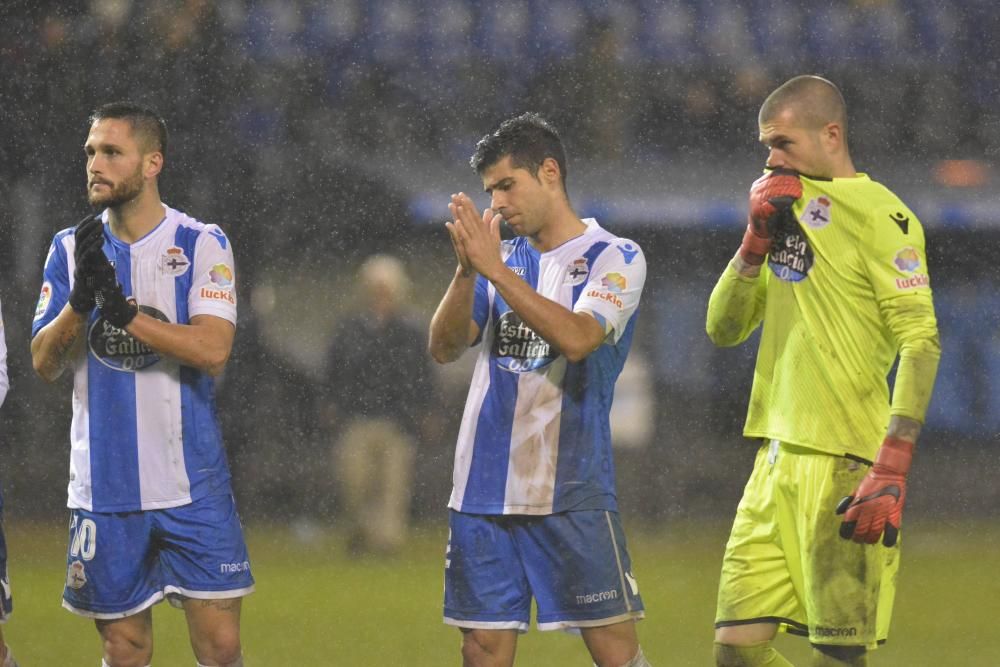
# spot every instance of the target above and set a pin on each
(480, 306)
(894, 254)
(736, 307)
(614, 285)
(213, 286)
(55, 284)
(896, 262)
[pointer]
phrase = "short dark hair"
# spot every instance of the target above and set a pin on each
(145, 122)
(528, 139)
(817, 101)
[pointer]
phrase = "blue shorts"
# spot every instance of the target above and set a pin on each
(119, 564)
(574, 564)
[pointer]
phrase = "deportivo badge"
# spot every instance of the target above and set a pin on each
(817, 213)
(576, 272)
(174, 262)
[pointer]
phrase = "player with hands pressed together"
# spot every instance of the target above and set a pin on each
(845, 290)
(533, 506)
(139, 301)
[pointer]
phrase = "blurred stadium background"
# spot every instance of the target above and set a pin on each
(318, 132)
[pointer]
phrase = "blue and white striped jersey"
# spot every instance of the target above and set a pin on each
(535, 437)
(144, 433)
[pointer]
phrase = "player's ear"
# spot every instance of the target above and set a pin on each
(833, 136)
(153, 164)
(549, 172)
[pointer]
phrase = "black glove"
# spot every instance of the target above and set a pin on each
(89, 235)
(109, 295)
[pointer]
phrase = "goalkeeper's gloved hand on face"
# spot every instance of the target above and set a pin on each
(876, 508)
(89, 242)
(771, 197)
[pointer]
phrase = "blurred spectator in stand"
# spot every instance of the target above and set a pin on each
(380, 390)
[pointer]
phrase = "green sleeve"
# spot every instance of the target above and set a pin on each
(735, 308)
(897, 268)
(914, 326)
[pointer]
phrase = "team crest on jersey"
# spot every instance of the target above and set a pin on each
(517, 348)
(174, 262)
(576, 272)
(44, 297)
(76, 576)
(791, 257)
(817, 213)
(118, 349)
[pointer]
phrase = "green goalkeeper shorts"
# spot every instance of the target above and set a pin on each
(785, 562)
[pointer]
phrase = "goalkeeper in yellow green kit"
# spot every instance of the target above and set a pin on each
(833, 267)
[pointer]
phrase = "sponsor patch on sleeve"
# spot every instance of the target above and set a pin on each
(221, 289)
(907, 261)
(612, 284)
(43, 299)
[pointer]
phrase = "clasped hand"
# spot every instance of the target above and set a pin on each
(476, 239)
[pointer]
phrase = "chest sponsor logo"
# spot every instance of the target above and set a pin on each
(517, 348)
(790, 258)
(44, 297)
(576, 272)
(118, 349)
(174, 262)
(519, 270)
(817, 213)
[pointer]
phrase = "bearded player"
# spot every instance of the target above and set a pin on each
(139, 301)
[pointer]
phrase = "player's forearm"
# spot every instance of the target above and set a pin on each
(903, 428)
(199, 346)
(736, 306)
(914, 326)
(574, 335)
(450, 329)
(57, 343)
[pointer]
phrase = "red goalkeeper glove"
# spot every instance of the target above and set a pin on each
(877, 503)
(771, 196)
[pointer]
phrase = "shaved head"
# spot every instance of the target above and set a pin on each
(815, 102)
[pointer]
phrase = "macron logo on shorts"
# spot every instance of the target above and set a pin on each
(234, 568)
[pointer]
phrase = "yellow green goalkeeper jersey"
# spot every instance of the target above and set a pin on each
(845, 289)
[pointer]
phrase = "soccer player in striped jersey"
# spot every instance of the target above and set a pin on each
(845, 291)
(139, 302)
(533, 507)
(6, 600)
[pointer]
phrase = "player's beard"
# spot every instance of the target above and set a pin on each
(122, 193)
